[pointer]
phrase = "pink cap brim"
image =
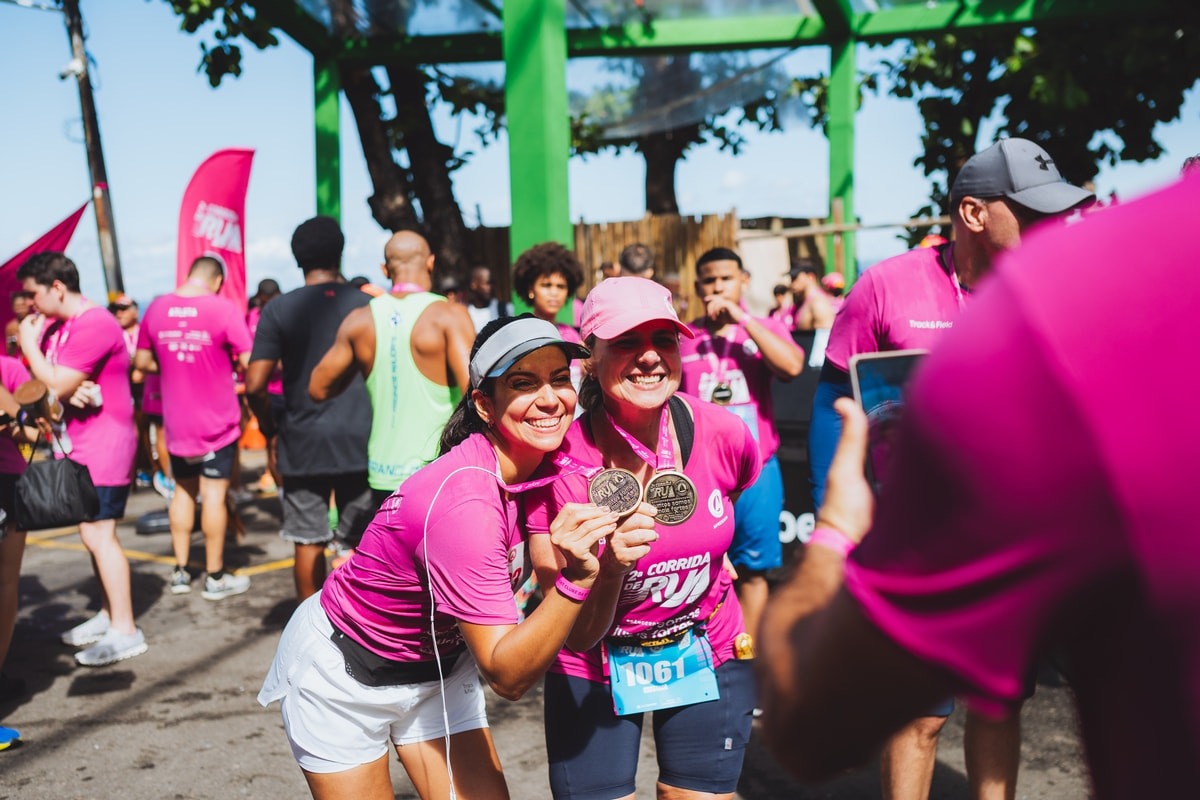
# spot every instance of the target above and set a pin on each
(615, 326)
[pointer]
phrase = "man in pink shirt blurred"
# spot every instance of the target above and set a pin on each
(76, 348)
(1039, 501)
(192, 338)
(911, 301)
(731, 362)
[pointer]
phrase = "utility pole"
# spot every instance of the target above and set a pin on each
(101, 202)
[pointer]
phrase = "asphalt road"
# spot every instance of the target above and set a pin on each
(181, 721)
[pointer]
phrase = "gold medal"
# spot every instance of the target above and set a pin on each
(743, 646)
(616, 488)
(674, 495)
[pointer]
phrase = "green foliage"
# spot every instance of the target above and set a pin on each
(483, 98)
(1090, 92)
(231, 20)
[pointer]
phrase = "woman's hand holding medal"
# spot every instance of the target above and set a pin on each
(576, 532)
(630, 542)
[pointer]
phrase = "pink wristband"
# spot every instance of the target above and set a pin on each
(832, 539)
(570, 590)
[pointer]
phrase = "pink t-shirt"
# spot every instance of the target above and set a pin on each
(275, 382)
(736, 362)
(1043, 493)
(473, 550)
(905, 302)
(104, 438)
(682, 581)
(194, 341)
(152, 394)
(12, 375)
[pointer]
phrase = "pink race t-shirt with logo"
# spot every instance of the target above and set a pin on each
(103, 438)
(1042, 496)
(12, 375)
(194, 341)
(682, 581)
(905, 302)
(472, 551)
(735, 361)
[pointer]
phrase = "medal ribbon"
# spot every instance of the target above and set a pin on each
(717, 360)
(59, 340)
(665, 461)
(406, 288)
(573, 467)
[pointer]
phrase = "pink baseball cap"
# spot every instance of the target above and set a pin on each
(617, 305)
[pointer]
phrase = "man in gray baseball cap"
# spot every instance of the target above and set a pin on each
(910, 301)
(1021, 171)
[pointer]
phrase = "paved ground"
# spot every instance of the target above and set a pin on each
(181, 721)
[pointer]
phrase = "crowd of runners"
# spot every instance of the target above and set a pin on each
(439, 461)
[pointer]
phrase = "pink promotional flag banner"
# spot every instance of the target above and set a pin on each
(56, 240)
(212, 219)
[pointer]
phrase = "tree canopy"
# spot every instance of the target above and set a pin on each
(1091, 93)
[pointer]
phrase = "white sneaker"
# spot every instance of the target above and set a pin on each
(226, 586)
(88, 632)
(112, 648)
(180, 581)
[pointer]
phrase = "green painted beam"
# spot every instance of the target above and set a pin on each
(837, 15)
(708, 34)
(665, 36)
(843, 105)
(327, 87)
(701, 34)
(539, 131)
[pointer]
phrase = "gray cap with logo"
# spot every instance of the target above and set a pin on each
(1021, 171)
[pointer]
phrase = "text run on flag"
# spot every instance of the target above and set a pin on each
(212, 219)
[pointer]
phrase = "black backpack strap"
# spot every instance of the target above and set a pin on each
(685, 426)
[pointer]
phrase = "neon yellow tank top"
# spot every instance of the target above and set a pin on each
(409, 409)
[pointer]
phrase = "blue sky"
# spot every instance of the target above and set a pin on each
(159, 119)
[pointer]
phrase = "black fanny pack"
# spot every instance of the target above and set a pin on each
(371, 669)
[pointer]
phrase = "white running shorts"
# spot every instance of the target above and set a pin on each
(334, 723)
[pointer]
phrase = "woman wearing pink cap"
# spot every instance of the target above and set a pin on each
(660, 629)
(388, 654)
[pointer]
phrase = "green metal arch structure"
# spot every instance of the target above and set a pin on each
(534, 41)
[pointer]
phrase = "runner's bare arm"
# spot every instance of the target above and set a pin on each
(820, 660)
(513, 657)
(782, 357)
(145, 361)
(61, 380)
(337, 367)
(258, 374)
(623, 548)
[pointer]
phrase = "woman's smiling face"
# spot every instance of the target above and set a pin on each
(640, 367)
(533, 403)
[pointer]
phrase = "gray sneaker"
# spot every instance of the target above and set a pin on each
(88, 632)
(112, 648)
(180, 582)
(226, 586)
